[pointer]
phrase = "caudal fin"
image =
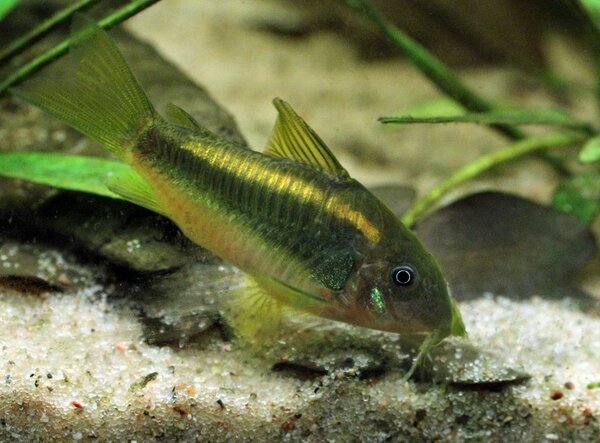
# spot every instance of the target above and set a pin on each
(98, 96)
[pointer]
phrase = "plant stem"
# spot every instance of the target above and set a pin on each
(484, 164)
(57, 51)
(433, 68)
(591, 10)
(442, 76)
(511, 117)
(19, 45)
(6, 7)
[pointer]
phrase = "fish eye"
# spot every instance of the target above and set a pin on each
(403, 276)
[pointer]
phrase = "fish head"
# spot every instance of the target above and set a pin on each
(398, 286)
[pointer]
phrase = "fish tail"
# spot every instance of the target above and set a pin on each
(98, 95)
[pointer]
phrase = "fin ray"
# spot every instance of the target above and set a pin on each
(99, 96)
(132, 187)
(293, 138)
(255, 316)
(293, 297)
(261, 319)
(180, 117)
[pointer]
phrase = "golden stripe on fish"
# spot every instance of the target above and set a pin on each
(281, 181)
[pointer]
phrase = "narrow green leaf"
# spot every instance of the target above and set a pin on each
(518, 149)
(22, 43)
(580, 196)
(440, 106)
(72, 172)
(121, 14)
(593, 9)
(590, 153)
(6, 6)
(441, 75)
(497, 117)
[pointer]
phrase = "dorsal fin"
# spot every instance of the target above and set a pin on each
(181, 117)
(293, 138)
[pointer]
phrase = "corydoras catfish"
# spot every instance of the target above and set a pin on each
(292, 218)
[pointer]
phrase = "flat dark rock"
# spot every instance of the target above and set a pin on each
(505, 245)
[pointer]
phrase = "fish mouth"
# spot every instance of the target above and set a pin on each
(448, 322)
(457, 326)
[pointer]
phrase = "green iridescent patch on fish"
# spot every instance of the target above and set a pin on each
(311, 237)
(334, 269)
(377, 301)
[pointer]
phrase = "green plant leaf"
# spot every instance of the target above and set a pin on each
(6, 6)
(518, 149)
(128, 10)
(593, 9)
(580, 196)
(441, 106)
(498, 117)
(23, 42)
(72, 172)
(590, 153)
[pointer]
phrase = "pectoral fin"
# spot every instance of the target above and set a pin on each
(290, 296)
(260, 310)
